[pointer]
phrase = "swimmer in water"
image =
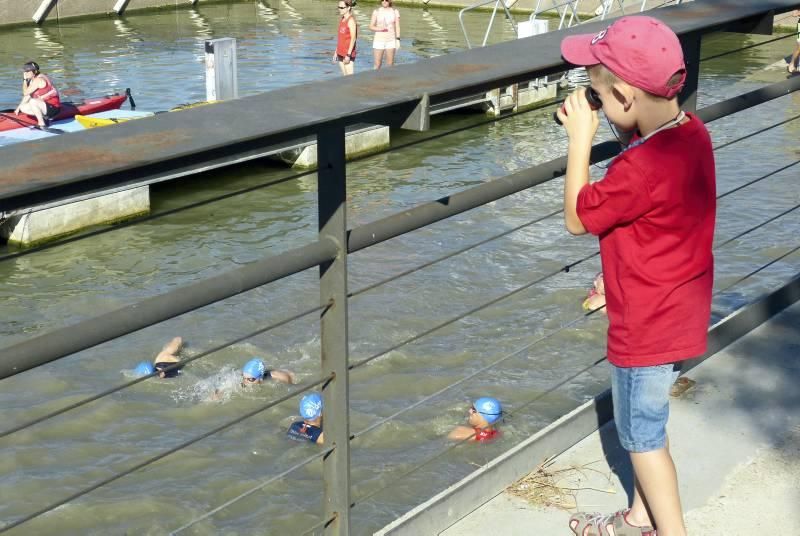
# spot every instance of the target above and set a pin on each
(166, 357)
(483, 415)
(255, 372)
(310, 428)
(596, 299)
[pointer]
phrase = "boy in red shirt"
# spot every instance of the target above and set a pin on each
(654, 214)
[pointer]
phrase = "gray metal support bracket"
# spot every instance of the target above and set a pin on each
(420, 117)
(332, 192)
(121, 6)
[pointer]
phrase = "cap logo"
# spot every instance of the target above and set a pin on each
(599, 36)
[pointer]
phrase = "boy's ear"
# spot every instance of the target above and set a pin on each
(624, 93)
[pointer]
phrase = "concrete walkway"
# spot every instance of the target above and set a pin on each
(735, 438)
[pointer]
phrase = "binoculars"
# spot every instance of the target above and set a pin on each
(591, 96)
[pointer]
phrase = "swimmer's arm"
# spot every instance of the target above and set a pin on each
(283, 376)
(320, 440)
(460, 433)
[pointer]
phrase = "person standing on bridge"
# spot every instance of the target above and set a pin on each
(347, 37)
(385, 23)
(39, 96)
(654, 213)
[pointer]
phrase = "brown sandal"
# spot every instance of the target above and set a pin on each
(598, 524)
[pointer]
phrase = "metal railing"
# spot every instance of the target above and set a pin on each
(335, 242)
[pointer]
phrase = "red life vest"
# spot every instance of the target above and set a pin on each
(48, 93)
(344, 39)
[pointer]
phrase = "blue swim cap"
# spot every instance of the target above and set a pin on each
(311, 406)
(489, 408)
(144, 369)
(254, 368)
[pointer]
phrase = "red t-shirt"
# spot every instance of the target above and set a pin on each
(654, 213)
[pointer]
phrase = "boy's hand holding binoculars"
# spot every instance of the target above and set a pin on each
(579, 116)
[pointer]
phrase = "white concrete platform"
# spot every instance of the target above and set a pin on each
(735, 438)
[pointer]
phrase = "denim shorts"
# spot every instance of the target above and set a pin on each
(641, 405)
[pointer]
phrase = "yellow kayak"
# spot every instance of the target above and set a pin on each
(94, 122)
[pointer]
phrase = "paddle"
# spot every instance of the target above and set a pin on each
(9, 114)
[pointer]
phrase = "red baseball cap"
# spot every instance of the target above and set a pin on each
(642, 51)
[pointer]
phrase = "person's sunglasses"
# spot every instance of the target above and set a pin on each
(341, 7)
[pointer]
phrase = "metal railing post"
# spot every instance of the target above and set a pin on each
(332, 192)
(691, 56)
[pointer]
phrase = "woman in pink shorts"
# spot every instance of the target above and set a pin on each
(386, 25)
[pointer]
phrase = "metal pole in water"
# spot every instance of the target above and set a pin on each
(221, 76)
(43, 11)
(332, 204)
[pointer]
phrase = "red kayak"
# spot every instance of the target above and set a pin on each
(9, 121)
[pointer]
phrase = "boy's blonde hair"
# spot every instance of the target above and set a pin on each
(608, 78)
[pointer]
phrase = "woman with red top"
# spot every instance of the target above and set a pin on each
(482, 415)
(345, 52)
(39, 96)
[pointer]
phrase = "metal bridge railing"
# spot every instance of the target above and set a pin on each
(330, 253)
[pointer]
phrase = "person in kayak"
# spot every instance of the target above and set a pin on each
(39, 96)
(310, 428)
(482, 415)
(166, 357)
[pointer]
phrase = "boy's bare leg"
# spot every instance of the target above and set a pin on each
(639, 514)
(658, 481)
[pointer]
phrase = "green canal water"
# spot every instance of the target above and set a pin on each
(159, 56)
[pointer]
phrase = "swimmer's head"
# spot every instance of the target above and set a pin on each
(143, 369)
(311, 406)
(488, 408)
(254, 371)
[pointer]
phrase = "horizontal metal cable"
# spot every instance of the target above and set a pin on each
(760, 225)
(41, 349)
(87, 333)
(252, 490)
(150, 217)
(757, 132)
(546, 393)
(565, 268)
(250, 189)
(542, 395)
(153, 459)
(414, 469)
(759, 179)
(179, 364)
(757, 270)
(382, 421)
(734, 51)
(316, 526)
(453, 254)
(472, 375)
